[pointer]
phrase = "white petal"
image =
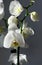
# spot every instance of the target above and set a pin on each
(12, 19)
(12, 26)
(23, 57)
(26, 45)
(1, 10)
(8, 39)
(15, 8)
(25, 24)
(13, 58)
(17, 30)
(20, 39)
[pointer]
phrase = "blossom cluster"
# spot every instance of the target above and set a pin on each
(15, 36)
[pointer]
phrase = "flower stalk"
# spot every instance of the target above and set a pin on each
(18, 55)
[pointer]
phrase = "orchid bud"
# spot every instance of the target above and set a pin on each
(34, 16)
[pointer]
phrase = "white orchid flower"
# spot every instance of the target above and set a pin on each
(12, 19)
(1, 10)
(13, 40)
(27, 31)
(13, 58)
(34, 16)
(15, 8)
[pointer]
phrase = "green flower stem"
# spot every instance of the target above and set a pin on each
(31, 4)
(5, 20)
(21, 25)
(21, 29)
(27, 13)
(27, 8)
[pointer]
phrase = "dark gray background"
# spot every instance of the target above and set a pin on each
(34, 53)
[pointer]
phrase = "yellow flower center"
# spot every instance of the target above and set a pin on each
(18, 9)
(14, 44)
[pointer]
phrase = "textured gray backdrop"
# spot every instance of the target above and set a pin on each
(34, 53)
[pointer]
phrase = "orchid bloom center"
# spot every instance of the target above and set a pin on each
(15, 44)
(18, 10)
